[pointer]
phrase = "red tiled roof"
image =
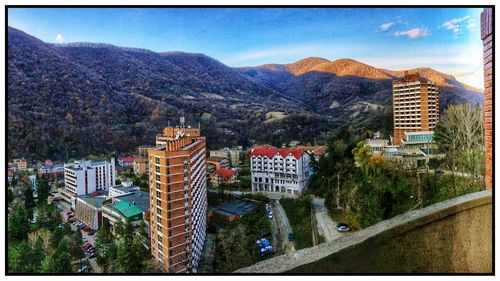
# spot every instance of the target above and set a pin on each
(225, 173)
(128, 159)
(270, 152)
(21, 163)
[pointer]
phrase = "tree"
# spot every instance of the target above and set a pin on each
(460, 135)
(60, 261)
(131, 254)
(19, 224)
(43, 190)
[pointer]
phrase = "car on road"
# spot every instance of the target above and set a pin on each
(290, 236)
(69, 213)
(267, 251)
(87, 229)
(438, 172)
(84, 239)
(92, 255)
(84, 269)
(270, 215)
(92, 232)
(342, 227)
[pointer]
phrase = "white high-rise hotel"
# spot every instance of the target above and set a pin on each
(280, 170)
(86, 177)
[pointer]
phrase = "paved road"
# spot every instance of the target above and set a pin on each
(284, 226)
(457, 173)
(325, 226)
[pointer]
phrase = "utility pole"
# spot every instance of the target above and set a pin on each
(338, 190)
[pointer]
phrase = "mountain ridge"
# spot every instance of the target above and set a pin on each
(86, 98)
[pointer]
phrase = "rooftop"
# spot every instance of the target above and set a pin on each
(238, 207)
(271, 152)
(96, 201)
(127, 209)
(141, 199)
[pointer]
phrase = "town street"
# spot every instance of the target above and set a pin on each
(283, 226)
(325, 226)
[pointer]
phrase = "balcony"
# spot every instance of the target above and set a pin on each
(453, 236)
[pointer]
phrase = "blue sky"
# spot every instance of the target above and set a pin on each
(446, 39)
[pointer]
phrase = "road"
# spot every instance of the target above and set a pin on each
(91, 238)
(457, 173)
(283, 225)
(325, 226)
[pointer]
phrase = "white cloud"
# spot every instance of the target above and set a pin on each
(386, 26)
(413, 33)
(457, 24)
(59, 38)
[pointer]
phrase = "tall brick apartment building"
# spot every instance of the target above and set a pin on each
(487, 22)
(415, 105)
(178, 198)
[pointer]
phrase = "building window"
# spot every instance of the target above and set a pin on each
(158, 178)
(158, 202)
(157, 160)
(160, 238)
(157, 169)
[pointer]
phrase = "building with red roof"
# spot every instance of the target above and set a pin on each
(126, 161)
(223, 176)
(282, 170)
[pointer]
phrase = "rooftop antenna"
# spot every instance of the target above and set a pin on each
(182, 123)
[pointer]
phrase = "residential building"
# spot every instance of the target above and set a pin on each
(127, 203)
(51, 169)
(143, 150)
(217, 163)
(233, 154)
(178, 198)
(232, 210)
(377, 146)
(141, 166)
(280, 170)
(415, 105)
(126, 161)
(88, 209)
(22, 166)
(86, 177)
(223, 176)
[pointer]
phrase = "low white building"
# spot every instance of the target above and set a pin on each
(86, 177)
(280, 170)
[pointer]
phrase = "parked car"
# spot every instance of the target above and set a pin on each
(290, 236)
(267, 251)
(92, 232)
(87, 229)
(342, 227)
(84, 239)
(270, 215)
(438, 172)
(86, 244)
(91, 255)
(69, 213)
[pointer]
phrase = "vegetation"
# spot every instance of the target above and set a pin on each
(369, 189)
(235, 242)
(298, 212)
(122, 250)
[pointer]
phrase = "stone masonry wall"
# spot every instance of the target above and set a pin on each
(487, 37)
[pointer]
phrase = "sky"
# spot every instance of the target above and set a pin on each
(446, 39)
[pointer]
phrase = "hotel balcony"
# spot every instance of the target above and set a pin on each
(453, 236)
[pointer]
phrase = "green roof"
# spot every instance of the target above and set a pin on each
(128, 210)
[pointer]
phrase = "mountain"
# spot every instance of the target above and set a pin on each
(76, 99)
(348, 85)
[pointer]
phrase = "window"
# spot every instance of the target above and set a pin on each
(158, 202)
(157, 169)
(158, 178)
(158, 211)
(158, 194)
(158, 185)
(157, 160)
(160, 238)
(159, 219)
(159, 227)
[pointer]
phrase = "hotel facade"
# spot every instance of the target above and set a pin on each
(178, 203)
(415, 105)
(280, 170)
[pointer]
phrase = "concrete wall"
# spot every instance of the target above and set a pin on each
(452, 236)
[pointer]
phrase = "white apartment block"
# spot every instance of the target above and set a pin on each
(280, 170)
(86, 177)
